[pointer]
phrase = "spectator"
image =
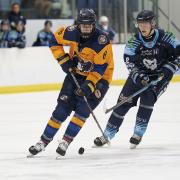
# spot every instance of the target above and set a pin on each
(44, 36)
(104, 25)
(91, 4)
(4, 31)
(15, 16)
(43, 7)
(16, 37)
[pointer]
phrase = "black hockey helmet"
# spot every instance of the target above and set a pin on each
(86, 16)
(145, 16)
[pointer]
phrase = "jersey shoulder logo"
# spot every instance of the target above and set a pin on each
(102, 39)
(71, 28)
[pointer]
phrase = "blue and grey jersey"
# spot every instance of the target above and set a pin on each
(16, 39)
(43, 38)
(151, 55)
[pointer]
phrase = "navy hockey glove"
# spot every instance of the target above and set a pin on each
(167, 74)
(140, 78)
(86, 89)
(170, 68)
(66, 63)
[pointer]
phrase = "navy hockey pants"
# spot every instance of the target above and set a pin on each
(68, 102)
(147, 101)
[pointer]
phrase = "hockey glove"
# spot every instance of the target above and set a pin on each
(66, 63)
(169, 69)
(140, 78)
(86, 89)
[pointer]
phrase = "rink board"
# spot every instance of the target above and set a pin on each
(35, 69)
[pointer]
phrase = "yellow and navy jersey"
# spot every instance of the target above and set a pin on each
(96, 50)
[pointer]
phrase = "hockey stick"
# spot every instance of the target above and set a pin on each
(90, 109)
(152, 83)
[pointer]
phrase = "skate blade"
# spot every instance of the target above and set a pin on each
(133, 146)
(104, 146)
(30, 156)
(59, 157)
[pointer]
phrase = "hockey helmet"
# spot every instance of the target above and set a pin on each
(146, 16)
(86, 16)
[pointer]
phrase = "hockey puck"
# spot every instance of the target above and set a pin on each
(81, 150)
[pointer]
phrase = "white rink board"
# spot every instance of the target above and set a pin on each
(36, 65)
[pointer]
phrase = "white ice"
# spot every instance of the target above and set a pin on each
(24, 116)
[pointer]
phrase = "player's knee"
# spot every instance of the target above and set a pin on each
(148, 99)
(122, 110)
(61, 112)
(130, 103)
(82, 112)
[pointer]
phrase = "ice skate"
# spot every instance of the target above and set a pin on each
(61, 149)
(100, 141)
(134, 141)
(34, 150)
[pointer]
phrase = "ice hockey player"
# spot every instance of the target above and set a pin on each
(90, 56)
(147, 54)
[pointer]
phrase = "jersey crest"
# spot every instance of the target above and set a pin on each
(102, 39)
(150, 63)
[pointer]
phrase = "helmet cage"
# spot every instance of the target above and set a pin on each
(86, 16)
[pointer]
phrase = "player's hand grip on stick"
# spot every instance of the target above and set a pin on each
(152, 83)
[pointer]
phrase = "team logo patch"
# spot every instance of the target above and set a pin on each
(123, 98)
(97, 93)
(102, 39)
(150, 63)
(71, 28)
(64, 98)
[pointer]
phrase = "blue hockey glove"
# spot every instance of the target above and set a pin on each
(140, 78)
(86, 89)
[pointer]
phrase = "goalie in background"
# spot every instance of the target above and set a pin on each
(90, 56)
(147, 54)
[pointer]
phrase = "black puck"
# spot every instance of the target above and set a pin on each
(81, 150)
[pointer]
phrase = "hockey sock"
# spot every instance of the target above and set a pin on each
(51, 129)
(115, 121)
(142, 119)
(73, 128)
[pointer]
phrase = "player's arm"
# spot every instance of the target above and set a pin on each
(130, 53)
(130, 58)
(56, 46)
(42, 38)
(173, 63)
(101, 62)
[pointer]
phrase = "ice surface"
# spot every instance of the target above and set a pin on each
(24, 116)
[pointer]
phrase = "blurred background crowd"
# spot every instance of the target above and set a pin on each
(20, 18)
